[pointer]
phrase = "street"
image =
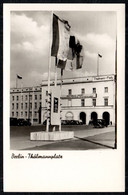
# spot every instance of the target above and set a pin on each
(85, 138)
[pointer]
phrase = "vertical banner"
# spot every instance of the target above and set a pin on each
(55, 106)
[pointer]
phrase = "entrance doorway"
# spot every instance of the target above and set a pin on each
(83, 117)
(106, 117)
(93, 116)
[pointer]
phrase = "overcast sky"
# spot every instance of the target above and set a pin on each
(30, 36)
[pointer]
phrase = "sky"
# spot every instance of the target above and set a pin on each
(30, 44)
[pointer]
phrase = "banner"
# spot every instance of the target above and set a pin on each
(60, 43)
(55, 106)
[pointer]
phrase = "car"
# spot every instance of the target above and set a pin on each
(80, 122)
(91, 122)
(71, 122)
(23, 122)
(45, 122)
(63, 122)
(27, 122)
(100, 123)
(13, 121)
(20, 122)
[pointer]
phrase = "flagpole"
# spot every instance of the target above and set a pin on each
(97, 65)
(49, 67)
(16, 81)
(21, 98)
(55, 71)
(32, 104)
(60, 96)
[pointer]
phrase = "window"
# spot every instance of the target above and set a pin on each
(40, 104)
(22, 97)
(26, 105)
(30, 105)
(21, 105)
(94, 90)
(106, 101)
(35, 105)
(26, 97)
(35, 114)
(106, 89)
(40, 96)
(26, 114)
(82, 91)
(46, 93)
(13, 98)
(45, 102)
(69, 102)
(12, 114)
(17, 114)
(30, 113)
(69, 92)
(35, 97)
(30, 97)
(82, 102)
(17, 105)
(21, 114)
(94, 102)
(35, 120)
(17, 97)
(12, 105)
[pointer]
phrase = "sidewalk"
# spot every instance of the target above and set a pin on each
(93, 131)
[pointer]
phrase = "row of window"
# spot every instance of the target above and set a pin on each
(70, 104)
(93, 102)
(27, 89)
(83, 90)
(25, 114)
(25, 106)
(26, 97)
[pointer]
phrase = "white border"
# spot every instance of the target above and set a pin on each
(79, 171)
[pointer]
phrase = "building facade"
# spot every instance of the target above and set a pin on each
(83, 99)
(26, 103)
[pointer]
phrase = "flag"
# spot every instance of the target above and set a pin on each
(79, 57)
(79, 61)
(61, 64)
(100, 55)
(69, 65)
(75, 55)
(19, 77)
(60, 41)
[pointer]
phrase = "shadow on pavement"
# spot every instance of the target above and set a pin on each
(103, 139)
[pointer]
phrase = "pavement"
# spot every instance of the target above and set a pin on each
(84, 138)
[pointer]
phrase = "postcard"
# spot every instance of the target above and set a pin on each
(64, 75)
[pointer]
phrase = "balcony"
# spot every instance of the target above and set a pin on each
(79, 96)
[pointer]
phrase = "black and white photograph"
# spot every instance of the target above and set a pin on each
(64, 68)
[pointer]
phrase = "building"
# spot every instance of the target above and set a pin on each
(26, 103)
(85, 99)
